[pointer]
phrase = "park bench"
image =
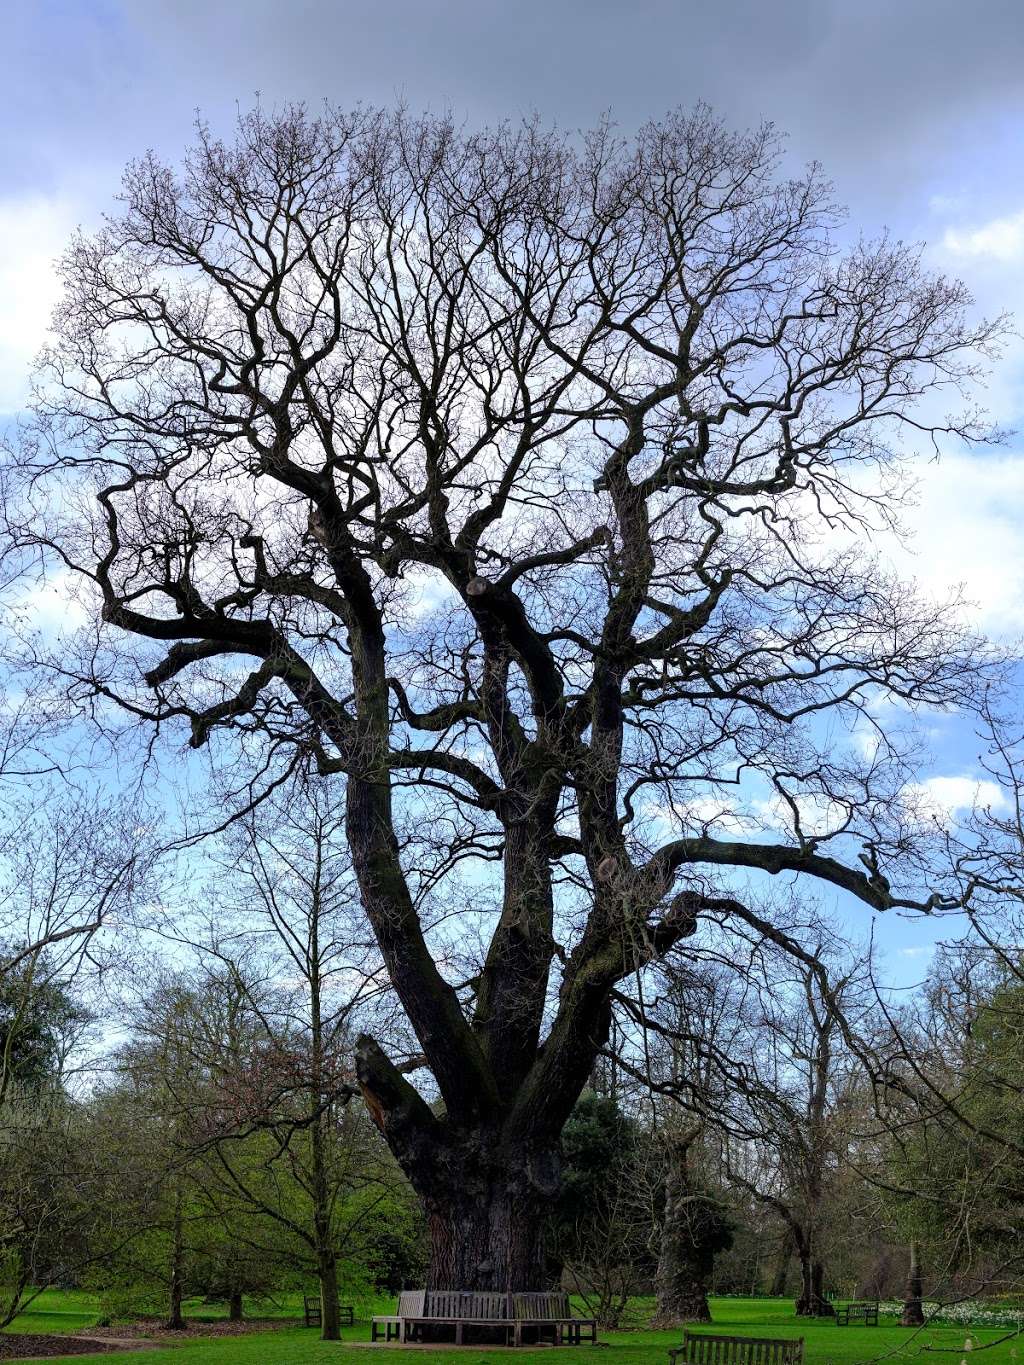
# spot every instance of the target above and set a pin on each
(312, 1312)
(551, 1313)
(514, 1316)
(391, 1326)
(858, 1310)
(702, 1348)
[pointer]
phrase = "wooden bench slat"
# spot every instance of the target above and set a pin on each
(707, 1348)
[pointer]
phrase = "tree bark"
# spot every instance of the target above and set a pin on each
(781, 1276)
(913, 1305)
(235, 1306)
(484, 1236)
(684, 1260)
(327, 1271)
(812, 1302)
(176, 1320)
(485, 1188)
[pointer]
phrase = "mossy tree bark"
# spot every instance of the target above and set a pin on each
(913, 1302)
(694, 1229)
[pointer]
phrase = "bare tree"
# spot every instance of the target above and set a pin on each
(68, 867)
(767, 1052)
(520, 484)
(285, 889)
(796, 1106)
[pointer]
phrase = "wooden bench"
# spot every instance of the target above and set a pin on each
(312, 1312)
(702, 1348)
(411, 1303)
(857, 1310)
(513, 1315)
(551, 1312)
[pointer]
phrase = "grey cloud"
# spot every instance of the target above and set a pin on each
(892, 97)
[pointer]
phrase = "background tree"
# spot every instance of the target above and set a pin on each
(949, 1160)
(512, 473)
(695, 1228)
(673, 1046)
(602, 1219)
(766, 1052)
(286, 892)
(70, 866)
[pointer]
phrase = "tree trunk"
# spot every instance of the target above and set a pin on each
(486, 1235)
(326, 1260)
(812, 1302)
(330, 1317)
(176, 1320)
(781, 1277)
(486, 1191)
(913, 1306)
(323, 1240)
(684, 1262)
(235, 1306)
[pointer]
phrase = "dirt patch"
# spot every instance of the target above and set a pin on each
(125, 1336)
(34, 1345)
(157, 1330)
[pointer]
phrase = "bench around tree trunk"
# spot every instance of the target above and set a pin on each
(703, 1348)
(547, 1314)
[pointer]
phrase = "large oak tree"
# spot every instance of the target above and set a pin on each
(521, 482)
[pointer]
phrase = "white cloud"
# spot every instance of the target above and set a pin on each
(968, 531)
(944, 799)
(1000, 239)
(33, 232)
(55, 604)
(707, 811)
(820, 816)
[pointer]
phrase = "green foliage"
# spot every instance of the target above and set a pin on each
(37, 1017)
(960, 1165)
(389, 1244)
(600, 1233)
(129, 1302)
(711, 1227)
(598, 1142)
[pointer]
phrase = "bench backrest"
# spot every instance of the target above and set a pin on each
(700, 1348)
(493, 1306)
(461, 1303)
(540, 1307)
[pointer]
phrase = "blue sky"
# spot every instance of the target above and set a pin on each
(914, 108)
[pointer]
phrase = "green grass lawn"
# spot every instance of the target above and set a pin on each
(826, 1344)
(58, 1310)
